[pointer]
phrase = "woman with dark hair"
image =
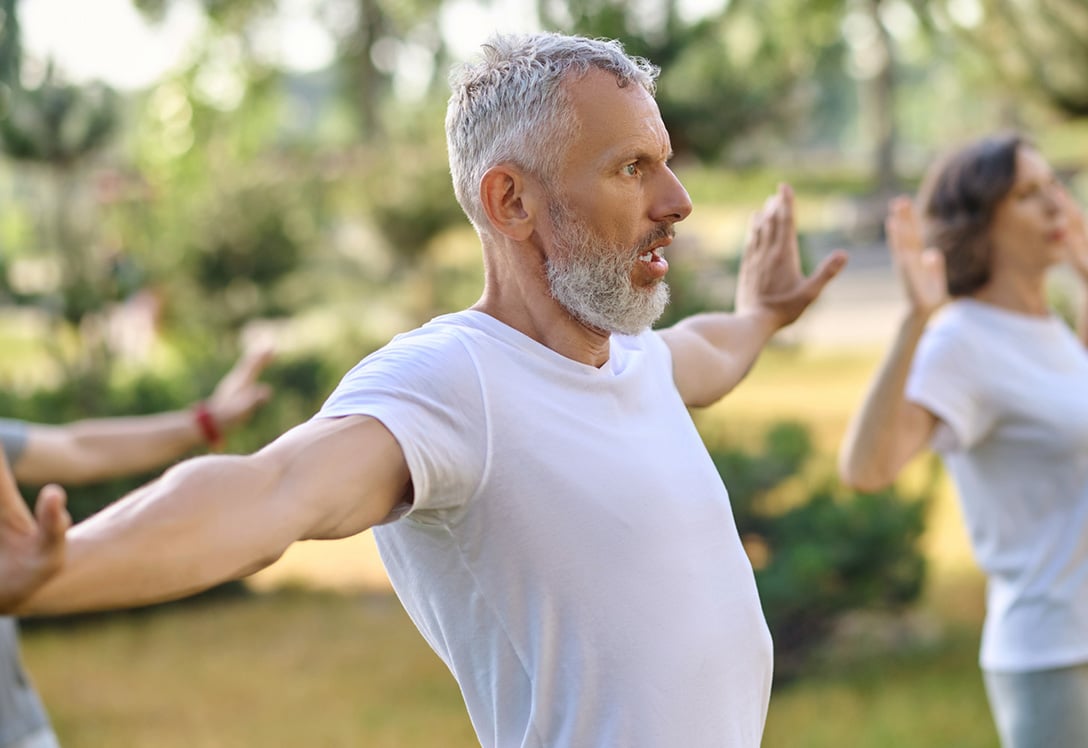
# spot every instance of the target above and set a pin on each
(997, 384)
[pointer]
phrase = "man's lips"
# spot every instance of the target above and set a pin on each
(654, 261)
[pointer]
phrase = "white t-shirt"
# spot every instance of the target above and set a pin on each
(1011, 393)
(571, 552)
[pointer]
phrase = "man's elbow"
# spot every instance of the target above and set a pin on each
(704, 399)
(864, 480)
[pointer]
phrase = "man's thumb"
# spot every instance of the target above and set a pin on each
(52, 514)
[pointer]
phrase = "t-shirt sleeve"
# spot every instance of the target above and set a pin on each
(426, 391)
(945, 380)
(12, 438)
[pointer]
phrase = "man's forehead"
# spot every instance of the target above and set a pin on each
(619, 116)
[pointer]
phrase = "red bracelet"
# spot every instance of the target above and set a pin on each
(208, 427)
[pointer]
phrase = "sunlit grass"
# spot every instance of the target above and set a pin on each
(318, 669)
(915, 698)
(290, 669)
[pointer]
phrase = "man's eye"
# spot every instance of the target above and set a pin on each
(631, 170)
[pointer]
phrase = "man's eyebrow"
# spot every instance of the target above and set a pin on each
(640, 153)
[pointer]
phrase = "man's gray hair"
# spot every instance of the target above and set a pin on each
(511, 107)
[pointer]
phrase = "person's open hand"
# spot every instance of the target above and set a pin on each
(1076, 238)
(239, 392)
(770, 279)
(920, 269)
(31, 545)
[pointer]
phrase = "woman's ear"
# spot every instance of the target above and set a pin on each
(508, 199)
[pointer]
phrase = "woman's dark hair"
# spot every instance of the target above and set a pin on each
(958, 198)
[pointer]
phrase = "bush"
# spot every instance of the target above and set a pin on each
(829, 552)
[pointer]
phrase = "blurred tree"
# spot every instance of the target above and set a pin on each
(377, 41)
(819, 552)
(373, 37)
(723, 75)
(1041, 45)
(56, 127)
(880, 85)
(752, 66)
(11, 50)
(393, 156)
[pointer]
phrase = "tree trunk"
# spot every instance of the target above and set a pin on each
(881, 99)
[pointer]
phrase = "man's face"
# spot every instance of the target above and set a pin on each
(613, 205)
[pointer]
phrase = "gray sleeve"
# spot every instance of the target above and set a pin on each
(13, 435)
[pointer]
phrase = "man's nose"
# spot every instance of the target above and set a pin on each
(674, 203)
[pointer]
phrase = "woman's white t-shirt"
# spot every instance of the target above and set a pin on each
(1011, 393)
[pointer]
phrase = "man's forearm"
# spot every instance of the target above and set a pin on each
(713, 352)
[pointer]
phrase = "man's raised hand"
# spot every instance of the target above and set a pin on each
(770, 279)
(31, 545)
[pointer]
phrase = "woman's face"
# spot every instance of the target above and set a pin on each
(1029, 225)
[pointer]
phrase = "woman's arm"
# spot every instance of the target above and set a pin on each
(888, 430)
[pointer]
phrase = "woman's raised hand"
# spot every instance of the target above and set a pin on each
(920, 269)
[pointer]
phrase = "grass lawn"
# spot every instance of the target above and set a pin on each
(288, 668)
(920, 697)
(306, 668)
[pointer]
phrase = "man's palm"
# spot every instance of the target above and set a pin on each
(31, 545)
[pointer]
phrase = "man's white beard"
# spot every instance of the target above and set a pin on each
(592, 279)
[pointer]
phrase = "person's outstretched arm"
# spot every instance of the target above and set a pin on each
(101, 448)
(213, 518)
(713, 352)
(889, 430)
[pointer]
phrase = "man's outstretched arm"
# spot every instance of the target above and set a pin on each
(216, 518)
(713, 352)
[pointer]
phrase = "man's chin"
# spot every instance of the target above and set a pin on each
(637, 324)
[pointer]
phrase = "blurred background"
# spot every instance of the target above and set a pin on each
(180, 179)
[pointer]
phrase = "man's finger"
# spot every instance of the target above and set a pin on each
(825, 271)
(789, 204)
(250, 365)
(755, 231)
(52, 515)
(256, 361)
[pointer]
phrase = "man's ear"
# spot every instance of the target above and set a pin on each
(509, 200)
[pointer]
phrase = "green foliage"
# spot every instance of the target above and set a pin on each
(410, 197)
(1039, 46)
(723, 76)
(821, 555)
(244, 245)
(57, 123)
